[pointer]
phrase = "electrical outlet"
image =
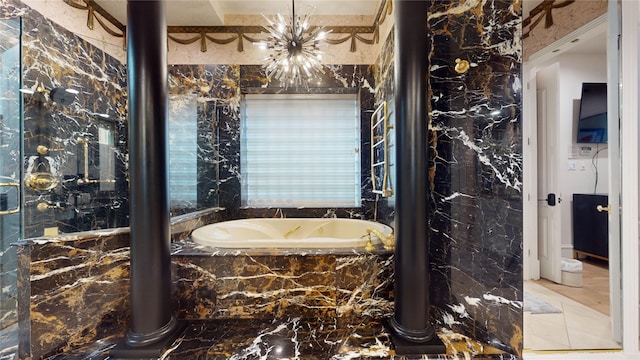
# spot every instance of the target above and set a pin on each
(585, 150)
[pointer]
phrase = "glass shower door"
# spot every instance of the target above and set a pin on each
(10, 175)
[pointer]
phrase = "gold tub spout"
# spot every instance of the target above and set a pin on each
(389, 241)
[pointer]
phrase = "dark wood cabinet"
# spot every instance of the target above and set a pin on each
(590, 227)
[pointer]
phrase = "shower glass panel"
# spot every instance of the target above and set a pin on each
(10, 175)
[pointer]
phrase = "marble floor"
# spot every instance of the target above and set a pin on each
(577, 327)
(248, 339)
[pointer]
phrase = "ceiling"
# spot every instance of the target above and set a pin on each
(213, 12)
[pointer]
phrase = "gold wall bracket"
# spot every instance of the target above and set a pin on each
(85, 180)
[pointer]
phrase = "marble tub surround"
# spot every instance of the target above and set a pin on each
(74, 289)
(183, 225)
(344, 285)
(240, 305)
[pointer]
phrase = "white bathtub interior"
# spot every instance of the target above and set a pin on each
(290, 233)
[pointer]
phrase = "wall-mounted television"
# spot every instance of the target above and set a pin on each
(592, 118)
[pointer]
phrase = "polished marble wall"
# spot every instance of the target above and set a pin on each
(71, 140)
(475, 171)
(476, 226)
(219, 90)
(476, 229)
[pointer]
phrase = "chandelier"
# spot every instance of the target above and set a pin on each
(295, 55)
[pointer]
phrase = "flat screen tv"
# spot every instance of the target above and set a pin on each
(592, 118)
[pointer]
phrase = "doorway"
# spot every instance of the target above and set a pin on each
(565, 167)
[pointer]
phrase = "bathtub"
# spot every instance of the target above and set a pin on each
(305, 233)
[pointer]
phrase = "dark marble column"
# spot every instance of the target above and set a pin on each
(151, 320)
(410, 326)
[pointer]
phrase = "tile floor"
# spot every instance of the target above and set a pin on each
(577, 327)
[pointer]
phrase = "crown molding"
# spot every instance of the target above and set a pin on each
(223, 35)
(543, 11)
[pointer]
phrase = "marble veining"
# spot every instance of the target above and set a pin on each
(13, 9)
(91, 194)
(476, 228)
(294, 338)
(311, 304)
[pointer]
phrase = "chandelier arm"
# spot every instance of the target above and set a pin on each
(293, 17)
(294, 57)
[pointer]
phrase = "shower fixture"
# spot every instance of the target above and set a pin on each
(63, 96)
(42, 181)
(46, 205)
(44, 150)
(59, 94)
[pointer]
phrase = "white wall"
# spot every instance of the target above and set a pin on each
(577, 175)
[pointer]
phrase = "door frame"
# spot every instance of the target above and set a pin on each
(629, 185)
(629, 246)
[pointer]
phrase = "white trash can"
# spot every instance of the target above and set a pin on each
(571, 272)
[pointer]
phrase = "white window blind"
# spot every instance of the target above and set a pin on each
(300, 151)
(183, 150)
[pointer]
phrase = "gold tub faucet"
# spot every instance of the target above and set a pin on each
(388, 241)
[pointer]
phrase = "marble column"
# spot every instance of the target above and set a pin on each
(410, 326)
(151, 321)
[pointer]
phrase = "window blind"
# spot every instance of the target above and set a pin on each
(183, 147)
(300, 151)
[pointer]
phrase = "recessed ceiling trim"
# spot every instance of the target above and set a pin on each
(204, 33)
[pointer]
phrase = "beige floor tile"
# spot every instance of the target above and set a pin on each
(578, 327)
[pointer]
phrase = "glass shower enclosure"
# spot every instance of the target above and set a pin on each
(10, 175)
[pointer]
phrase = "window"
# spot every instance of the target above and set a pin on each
(183, 147)
(300, 151)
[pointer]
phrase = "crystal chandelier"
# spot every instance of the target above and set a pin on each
(294, 47)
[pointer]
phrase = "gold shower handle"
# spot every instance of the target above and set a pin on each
(601, 208)
(43, 150)
(17, 208)
(43, 206)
